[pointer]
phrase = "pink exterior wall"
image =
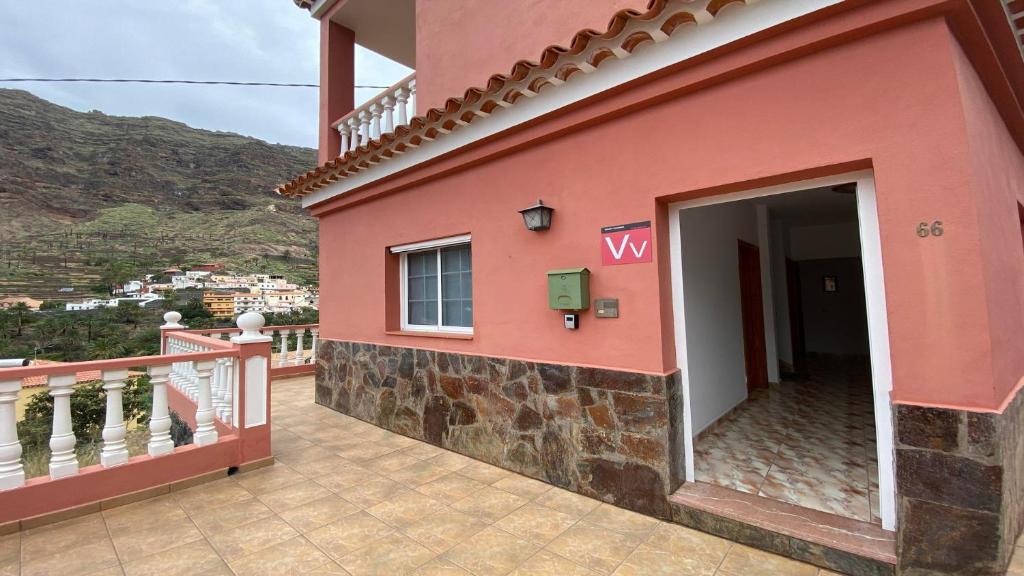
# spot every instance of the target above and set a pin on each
(997, 174)
(462, 43)
(890, 101)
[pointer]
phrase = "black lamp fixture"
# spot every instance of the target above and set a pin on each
(537, 217)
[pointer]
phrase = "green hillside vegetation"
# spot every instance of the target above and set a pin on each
(86, 196)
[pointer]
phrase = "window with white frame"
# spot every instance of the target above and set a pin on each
(437, 285)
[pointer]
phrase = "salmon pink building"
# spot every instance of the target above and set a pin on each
(753, 267)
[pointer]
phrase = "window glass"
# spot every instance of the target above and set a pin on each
(456, 286)
(422, 288)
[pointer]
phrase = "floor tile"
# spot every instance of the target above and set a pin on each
(623, 521)
(745, 561)
(489, 504)
(372, 493)
(536, 523)
(648, 561)
(134, 544)
(522, 486)
(405, 508)
(97, 554)
(222, 518)
(594, 547)
(295, 556)
(317, 513)
(688, 543)
(389, 462)
(142, 514)
(452, 461)
(350, 533)
(269, 479)
(483, 472)
(345, 477)
(492, 552)
(566, 502)
(206, 496)
(295, 495)
(444, 529)
(37, 543)
(189, 559)
(251, 538)
(417, 474)
(450, 488)
(545, 563)
(441, 567)
(394, 554)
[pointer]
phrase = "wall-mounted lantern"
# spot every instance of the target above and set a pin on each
(537, 217)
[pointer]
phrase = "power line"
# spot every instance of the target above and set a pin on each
(152, 81)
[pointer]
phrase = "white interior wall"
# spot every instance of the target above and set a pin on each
(714, 323)
(764, 243)
(780, 292)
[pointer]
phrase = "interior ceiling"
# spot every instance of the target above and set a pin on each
(387, 27)
(809, 207)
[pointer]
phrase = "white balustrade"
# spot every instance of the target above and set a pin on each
(282, 358)
(115, 451)
(63, 460)
(205, 432)
(382, 114)
(12, 473)
(160, 442)
(299, 351)
(313, 346)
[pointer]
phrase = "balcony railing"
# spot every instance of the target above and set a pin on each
(382, 114)
(221, 389)
(291, 359)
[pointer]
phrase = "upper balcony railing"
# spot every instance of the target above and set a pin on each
(292, 355)
(381, 114)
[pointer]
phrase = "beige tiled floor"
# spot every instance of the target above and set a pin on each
(349, 498)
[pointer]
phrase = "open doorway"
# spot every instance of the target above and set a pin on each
(778, 360)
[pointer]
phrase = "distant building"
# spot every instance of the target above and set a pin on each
(142, 300)
(11, 301)
(211, 267)
(221, 304)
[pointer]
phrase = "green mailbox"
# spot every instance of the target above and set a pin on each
(569, 289)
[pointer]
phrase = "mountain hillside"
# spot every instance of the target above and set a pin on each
(83, 192)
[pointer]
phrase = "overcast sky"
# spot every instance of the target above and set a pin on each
(237, 40)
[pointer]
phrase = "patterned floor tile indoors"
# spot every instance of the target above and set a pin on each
(347, 498)
(809, 442)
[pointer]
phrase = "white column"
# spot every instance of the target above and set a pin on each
(205, 432)
(63, 460)
(160, 442)
(375, 113)
(220, 386)
(388, 103)
(282, 358)
(364, 127)
(229, 392)
(316, 341)
(401, 98)
(299, 334)
(115, 451)
(353, 133)
(12, 473)
(171, 320)
(343, 132)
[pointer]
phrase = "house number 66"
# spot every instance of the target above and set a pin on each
(925, 229)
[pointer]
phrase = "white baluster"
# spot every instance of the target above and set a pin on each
(313, 346)
(375, 113)
(343, 132)
(353, 133)
(282, 358)
(220, 386)
(115, 451)
(364, 127)
(160, 442)
(205, 432)
(229, 392)
(388, 102)
(401, 98)
(63, 460)
(12, 473)
(299, 352)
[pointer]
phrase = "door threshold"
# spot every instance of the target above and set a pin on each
(833, 542)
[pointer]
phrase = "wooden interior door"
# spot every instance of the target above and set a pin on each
(796, 317)
(752, 307)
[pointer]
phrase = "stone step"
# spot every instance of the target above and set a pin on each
(833, 542)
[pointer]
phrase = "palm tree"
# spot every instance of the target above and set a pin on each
(20, 311)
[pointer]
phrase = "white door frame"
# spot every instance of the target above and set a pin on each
(878, 322)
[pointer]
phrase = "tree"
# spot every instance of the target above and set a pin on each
(20, 310)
